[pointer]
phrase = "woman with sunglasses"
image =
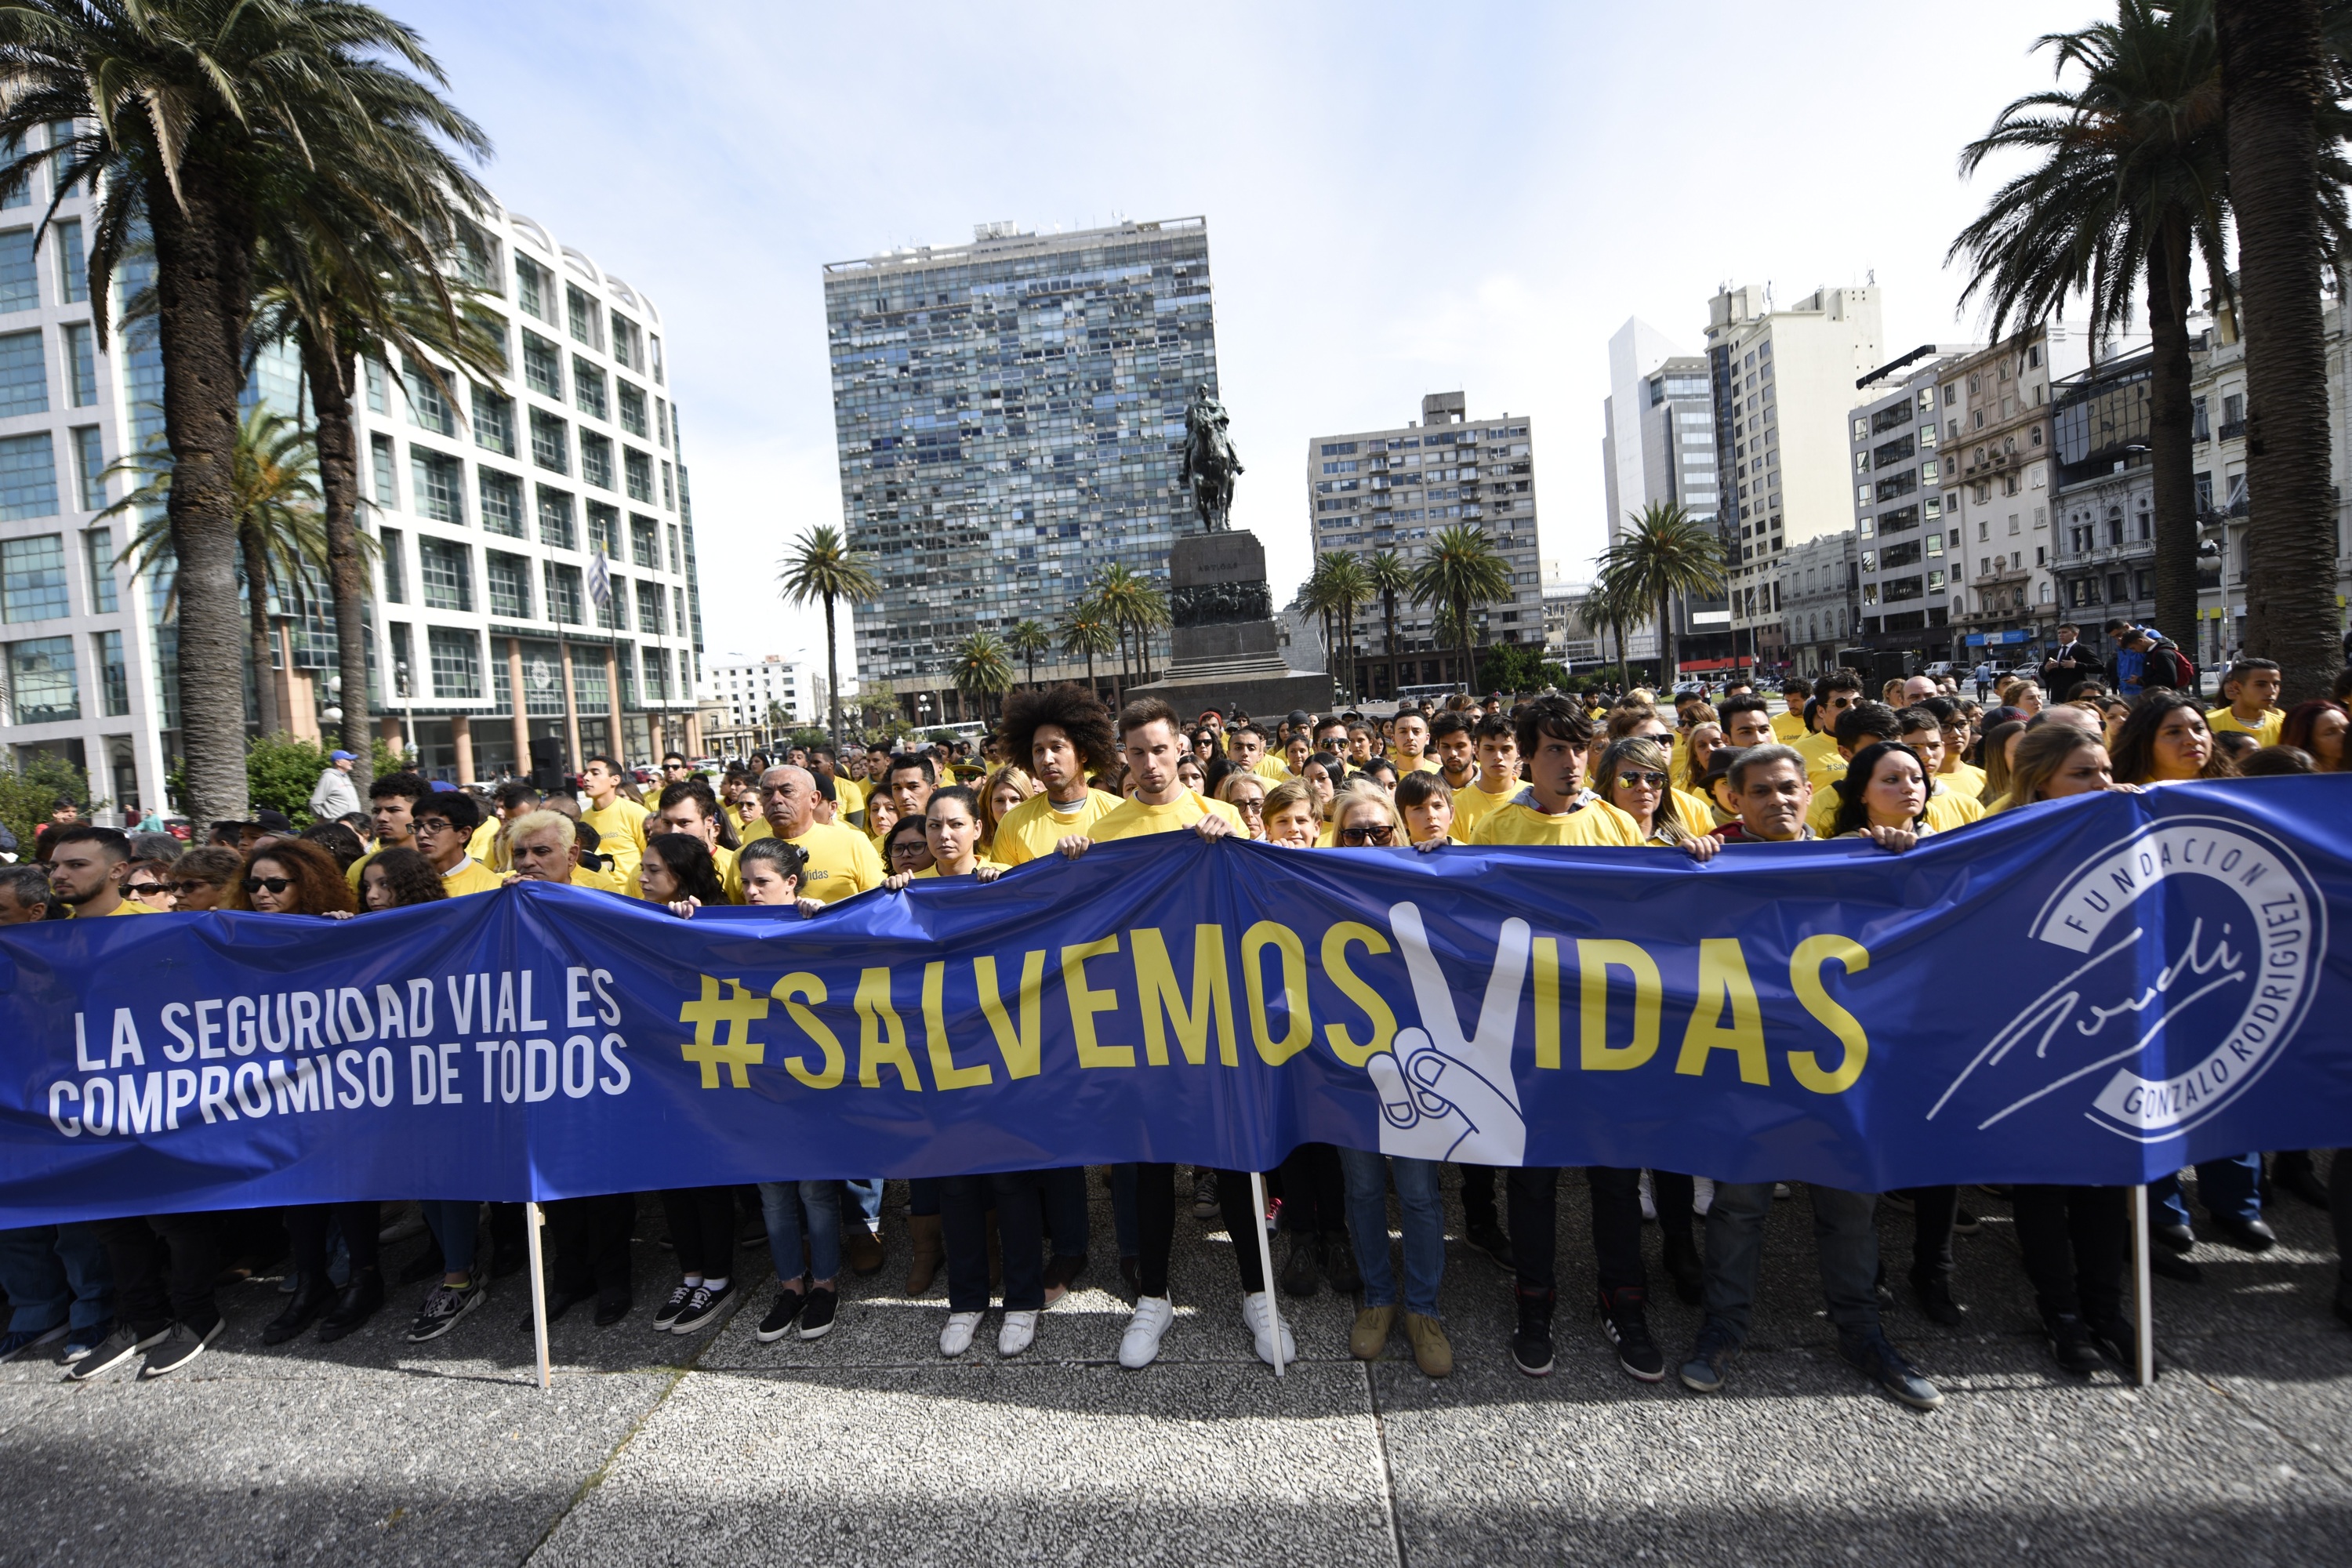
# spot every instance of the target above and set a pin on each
(1636, 777)
(149, 882)
(1245, 792)
(200, 879)
(287, 877)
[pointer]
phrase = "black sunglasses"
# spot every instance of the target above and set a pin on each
(185, 889)
(1383, 834)
(274, 884)
(144, 889)
(1636, 780)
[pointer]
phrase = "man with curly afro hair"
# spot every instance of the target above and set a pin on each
(1062, 734)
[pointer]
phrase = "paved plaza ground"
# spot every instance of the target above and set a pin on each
(868, 1447)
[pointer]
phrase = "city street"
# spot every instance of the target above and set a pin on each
(866, 1447)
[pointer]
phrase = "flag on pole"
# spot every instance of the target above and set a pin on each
(600, 581)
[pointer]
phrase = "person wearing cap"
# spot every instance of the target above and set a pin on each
(334, 794)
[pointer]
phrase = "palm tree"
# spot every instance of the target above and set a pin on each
(1461, 572)
(823, 567)
(2280, 93)
(1318, 594)
(1603, 614)
(1389, 577)
(1028, 639)
(281, 538)
(2130, 179)
(982, 668)
(1338, 585)
(1664, 554)
(1084, 630)
(1132, 605)
(212, 126)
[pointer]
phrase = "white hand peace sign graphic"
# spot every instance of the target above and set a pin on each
(1444, 1097)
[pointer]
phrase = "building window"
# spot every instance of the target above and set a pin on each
(675, 563)
(550, 442)
(440, 484)
(89, 462)
(442, 567)
(532, 285)
(81, 365)
(677, 607)
(645, 542)
(396, 571)
(612, 615)
(24, 385)
(478, 258)
(656, 343)
(669, 493)
(661, 422)
(374, 372)
(542, 365)
(555, 524)
(380, 451)
(604, 530)
(501, 503)
(628, 344)
(588, 387)
(633, 408)
(98, 543)
(33, 579)
(113, 679)
(28, 477)
(509, 577)
(73, 265)
(43, 685)
(456, 662)
(656, 675)
(20, 280)
(640, 467)
(596, 460)
(650, 615)
(584, 317)
(428, 405)
(564, 595)
(494, 421)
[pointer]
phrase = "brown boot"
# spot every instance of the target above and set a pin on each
(930, 1252)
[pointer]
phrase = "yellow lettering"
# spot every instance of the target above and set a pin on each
(1298, 1031)
(1805, 980)
(1723, 981)
(881, 1038)
(1020, 1051)
(790, 990)
(1085, 1003)
(945, 1074)
(1351, 986)
(1212, 998)
(1594, 959)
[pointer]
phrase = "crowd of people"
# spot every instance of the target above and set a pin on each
(1061, 774)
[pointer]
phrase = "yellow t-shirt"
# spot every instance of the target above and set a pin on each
(1473, 806)
(1946, 809)
(723, 859)
(621, 832)
(606, 880)
(933, 871)
(842, 862)
(1404, 765)
(1994, 808)
(1271, 769)
(1967, 779)
(478, 845)
(848, 799)
(1698, 813)
(471, 877)
(1788, 728)
(1031, 830)
(1517, 821)
(127, 907)
(1133, 819)
(351, 875)
(2265, 730)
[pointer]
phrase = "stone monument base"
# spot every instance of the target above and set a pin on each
(1226, 647)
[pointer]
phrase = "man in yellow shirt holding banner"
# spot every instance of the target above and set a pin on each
(1555, 807)
(1066, 734)
(842, 861)
(1497, 747)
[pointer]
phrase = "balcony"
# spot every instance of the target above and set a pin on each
(2233, 430)
(1999, 575)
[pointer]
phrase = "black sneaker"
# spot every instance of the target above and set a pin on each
(1339, 1263)
(816, 1318)
(1531, 1342)
(179, 1345)
(701, 1307)
(1935, 1293)
(1626, 1322)
(111, 1351)
(444, 1305)
(1684, 1263)
(1487, 1237)
(1871, 1354)
(2076, 1348)
(1205, 1202)
(361, 1300)
(1299, 1267)
(779, 1321)
(2117, 1339)
(666, 1318)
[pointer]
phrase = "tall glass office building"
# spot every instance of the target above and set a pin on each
(1010, 416)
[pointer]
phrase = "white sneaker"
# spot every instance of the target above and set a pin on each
(1019, 1332)
(1649, 1199)
(956, 1338)
(1139, 1346)
(1702, 1195)
(1257, 1312)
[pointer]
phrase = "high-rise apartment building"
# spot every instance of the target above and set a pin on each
(1397, 490)
(1999, 468)
(1908, 563)
(487, 650)
(749, 688)
(1783, 380)
(1657, 446)
(1010, 420)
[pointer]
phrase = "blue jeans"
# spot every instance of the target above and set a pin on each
(2231, 1186)
(868, 1196)
(453, 1226)
(1842, 1231)
(782, 1203)
(56, 1273)
(922, 1197)
(1367, 1177)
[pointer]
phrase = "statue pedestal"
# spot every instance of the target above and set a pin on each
(1226, 647)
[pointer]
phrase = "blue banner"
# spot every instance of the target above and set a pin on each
(2094, 991)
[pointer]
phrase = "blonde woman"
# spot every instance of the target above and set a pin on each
(1363, 815)
(1007, 787)
(1635, 778)
(1245, 792)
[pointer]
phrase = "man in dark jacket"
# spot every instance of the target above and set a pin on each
(2070, 663)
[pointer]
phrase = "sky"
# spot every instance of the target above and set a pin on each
(1400, 200)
